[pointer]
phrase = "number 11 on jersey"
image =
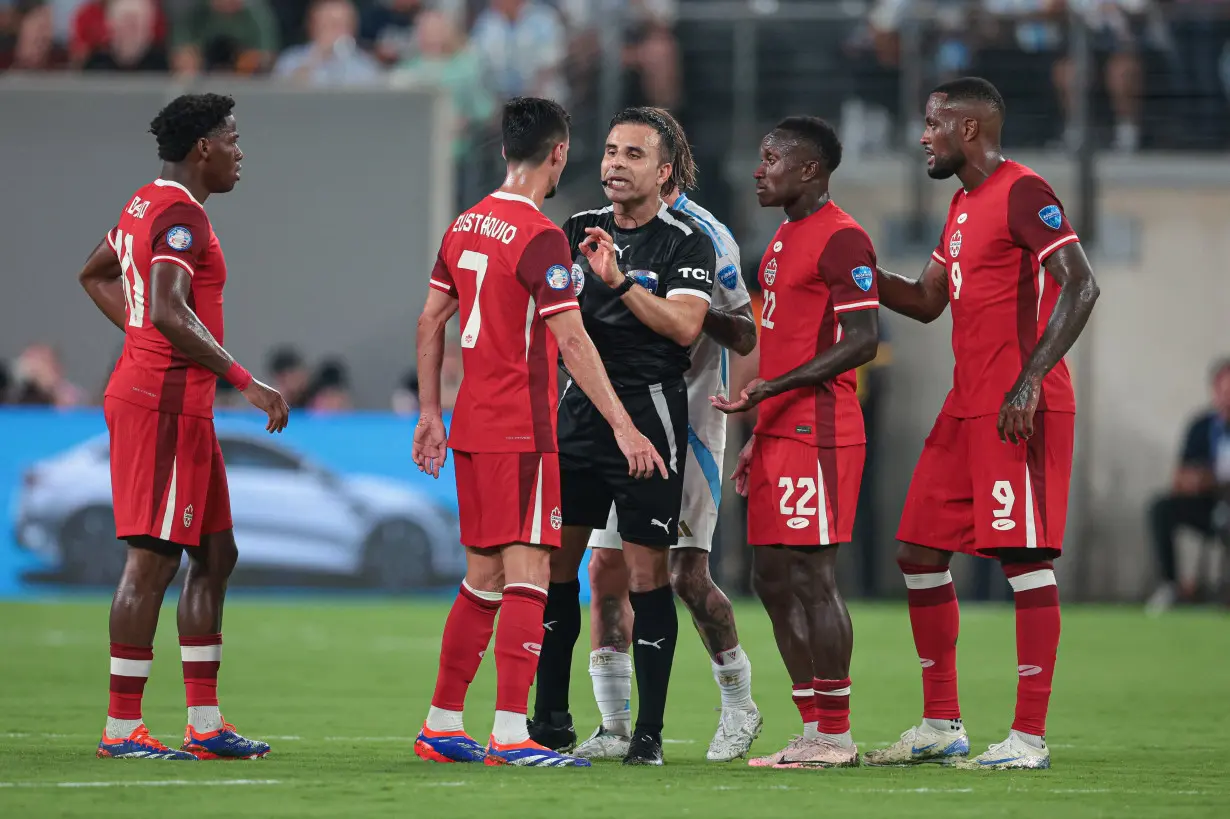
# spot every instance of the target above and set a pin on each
(476, 262)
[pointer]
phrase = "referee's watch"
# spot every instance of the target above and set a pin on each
(625, 286)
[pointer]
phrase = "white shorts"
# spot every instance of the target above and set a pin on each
(702, 492)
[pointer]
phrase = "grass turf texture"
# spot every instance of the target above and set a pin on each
(1139, 722)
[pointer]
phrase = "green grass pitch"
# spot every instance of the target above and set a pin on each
(1139, 725)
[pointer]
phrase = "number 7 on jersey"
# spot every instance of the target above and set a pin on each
(476, 262)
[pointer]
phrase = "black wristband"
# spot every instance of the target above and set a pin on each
(625, 286)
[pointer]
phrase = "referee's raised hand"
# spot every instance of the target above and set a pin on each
(641, 454)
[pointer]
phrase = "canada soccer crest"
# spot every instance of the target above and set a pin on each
(557, 519)
(770, 272)
(954, 245)
(188, 516)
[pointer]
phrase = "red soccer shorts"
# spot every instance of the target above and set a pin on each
(801, 495)
(167, 476)
(972, 492)
(508, 497)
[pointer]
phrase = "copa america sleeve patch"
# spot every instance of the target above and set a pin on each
(179, 238)
(863, 277)
(558, 277)
(1051, 217)
(729, 276)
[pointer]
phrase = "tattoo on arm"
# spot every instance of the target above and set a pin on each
(1077, 293)
(733, 329)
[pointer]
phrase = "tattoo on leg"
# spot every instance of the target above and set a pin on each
(711, 611)
(611, 633)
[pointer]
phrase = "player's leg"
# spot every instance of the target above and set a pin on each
(712, 614)
(1020, 501)
(938, 520)
(142, 458)
(518, 638)
(468, 628)
(655, 632)
(610, 664)
(199, 616)
(714, 618)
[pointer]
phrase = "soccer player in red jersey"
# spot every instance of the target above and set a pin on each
(507, 268)
(802, 468)
(158, 276)
(993, 476)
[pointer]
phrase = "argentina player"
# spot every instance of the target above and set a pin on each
(644, 276)
(728, 326)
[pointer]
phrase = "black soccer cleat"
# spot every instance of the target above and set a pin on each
(555, 732)
(644, 749)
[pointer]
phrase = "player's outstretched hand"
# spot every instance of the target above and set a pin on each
(743, 468)
(1016, 416)
(430, 445)
(269, 401)
(752, 394)
(599, 249)
(641, 454)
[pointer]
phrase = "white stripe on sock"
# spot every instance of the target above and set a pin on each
(130, 668)
(201, 654)
(838, 692)
(489, 596)
(931, 580)
(1033, 580)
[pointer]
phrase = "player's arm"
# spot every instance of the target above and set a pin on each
(922, 299)
(734, 329)
(101, 278)
(430, 440)
(680, 316)
(170, 287)
(1031, 203)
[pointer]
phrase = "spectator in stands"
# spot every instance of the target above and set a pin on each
(291, 376)
(651, 57)
(330, 390)
(406, 395)
(1018, 44)
(1201, 33)
(522, 44)
(1120, 31)
(4, 372)
(38, 378)
(34, 48)
(331, 57)
(132, 45)
(238, 36)
(1200, 494)
(90, 30)
(445, 59)
(387, 28)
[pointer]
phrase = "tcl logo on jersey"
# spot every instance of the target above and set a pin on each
(954, 245)
(770, 272)
(698, 273)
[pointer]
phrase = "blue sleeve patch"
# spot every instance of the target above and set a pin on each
(1051, 217)
(559, 277)
(729, 276)
(863, 277)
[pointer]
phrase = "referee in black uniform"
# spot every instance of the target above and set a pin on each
(643, 275)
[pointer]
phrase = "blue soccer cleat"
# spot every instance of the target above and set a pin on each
(920, 745)
(447, 746)
(529, 754)
(225, 743)
(139, 745)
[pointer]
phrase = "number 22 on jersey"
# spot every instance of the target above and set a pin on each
(477, 263)
(767, 310)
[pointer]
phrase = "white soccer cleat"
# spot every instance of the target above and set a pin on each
(1013, 753)
(603, 744)
(820, 753)
(736, 731)
(921, 744)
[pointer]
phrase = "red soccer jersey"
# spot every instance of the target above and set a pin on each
(813, 270)
(511, 268)
(994, 243)
(163, 222)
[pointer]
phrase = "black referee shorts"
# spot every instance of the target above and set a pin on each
(594, 473)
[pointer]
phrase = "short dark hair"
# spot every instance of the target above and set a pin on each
(186, 119)
(284, 359)
(671, 134)
(821, 136)
(972, 89)
(532, 126)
